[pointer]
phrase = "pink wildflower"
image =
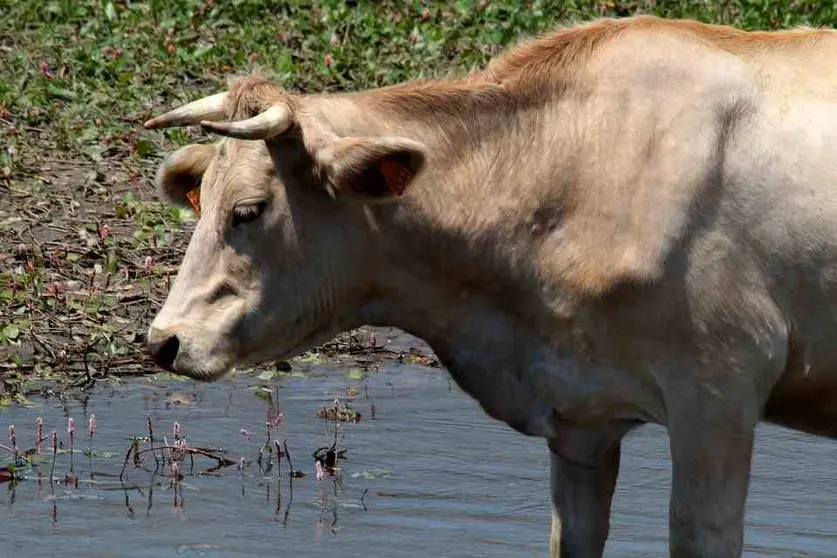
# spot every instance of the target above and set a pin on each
(91, 426)
(71, 427)
(176, 430)
(246, 434)
(319, 470)
(328, 61)
(45, 70)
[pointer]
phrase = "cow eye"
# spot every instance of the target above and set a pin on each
(246, 212)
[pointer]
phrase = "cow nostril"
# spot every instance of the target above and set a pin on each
(165, 351)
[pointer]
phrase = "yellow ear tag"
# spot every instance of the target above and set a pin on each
(396, 176)
(194, 197)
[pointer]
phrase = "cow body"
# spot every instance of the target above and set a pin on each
(620, 223)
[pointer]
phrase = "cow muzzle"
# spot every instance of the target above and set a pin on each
(163, 348)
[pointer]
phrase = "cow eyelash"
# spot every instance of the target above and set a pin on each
(245, 213)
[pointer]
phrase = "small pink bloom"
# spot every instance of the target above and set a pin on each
(319, 470)
(54, 437)
(91, 426)
(146, 265)
(328, 61)
(246, 435)
(176, 430)
(45, 70)
(71, 427)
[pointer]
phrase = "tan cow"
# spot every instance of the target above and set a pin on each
(624, 222)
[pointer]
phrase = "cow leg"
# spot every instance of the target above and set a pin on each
(710, 476)
(584, 465)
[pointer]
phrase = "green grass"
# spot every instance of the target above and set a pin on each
(85, 250)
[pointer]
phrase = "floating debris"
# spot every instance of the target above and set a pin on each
(339, 413)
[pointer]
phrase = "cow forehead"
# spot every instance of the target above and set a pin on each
(239, 165)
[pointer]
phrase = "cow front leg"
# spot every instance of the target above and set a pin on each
(584, 464)
(710, 476)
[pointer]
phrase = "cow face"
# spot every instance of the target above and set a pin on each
(284, 248)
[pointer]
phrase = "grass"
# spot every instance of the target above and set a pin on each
(86, 252)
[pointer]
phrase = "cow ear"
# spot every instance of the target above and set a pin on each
(373, 169)
(180, 175)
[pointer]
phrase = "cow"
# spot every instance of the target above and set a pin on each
(620, 222)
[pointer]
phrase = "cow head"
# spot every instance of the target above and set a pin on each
(285, 246)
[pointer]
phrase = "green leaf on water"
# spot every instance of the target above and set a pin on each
(267, 375)
(372, 473)
(355, 373)
(309, 358)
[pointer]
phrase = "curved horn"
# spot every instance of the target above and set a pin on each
(266, 125)
(208, 108)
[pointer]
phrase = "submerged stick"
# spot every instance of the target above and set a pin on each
(54, 456)
(288, 455)
(151, 439)
(125, 463)
(190, 450)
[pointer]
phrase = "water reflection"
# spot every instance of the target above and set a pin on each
(424, 472)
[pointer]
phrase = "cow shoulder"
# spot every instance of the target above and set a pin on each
(649, 164)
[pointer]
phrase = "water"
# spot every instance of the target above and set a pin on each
(431, 475)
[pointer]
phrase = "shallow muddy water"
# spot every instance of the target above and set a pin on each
(431, 475)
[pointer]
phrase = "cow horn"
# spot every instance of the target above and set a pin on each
(208, 108)
(266, 125)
